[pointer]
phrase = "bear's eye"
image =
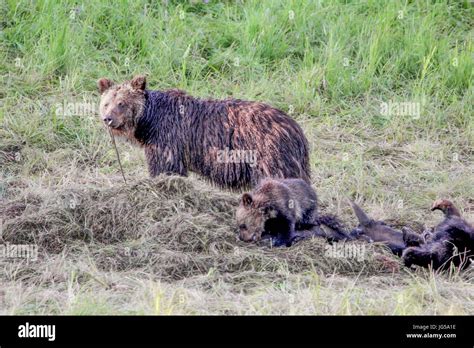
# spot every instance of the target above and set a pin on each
(243, 227)
(121, 104)
(106, 104)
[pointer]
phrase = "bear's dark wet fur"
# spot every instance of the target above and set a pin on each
(452, 242)
(378, 231)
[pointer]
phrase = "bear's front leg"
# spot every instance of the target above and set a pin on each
(164, 160)
(298, 235)
(281, 231)
(293, 236)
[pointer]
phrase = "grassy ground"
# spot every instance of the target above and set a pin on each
(384, 93)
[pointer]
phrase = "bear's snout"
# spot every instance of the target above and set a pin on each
(110, 121)
(246, 238)
(249, 237)
(242, 238)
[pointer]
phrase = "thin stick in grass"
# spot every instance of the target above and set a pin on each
(118, 155)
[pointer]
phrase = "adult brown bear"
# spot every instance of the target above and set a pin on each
(233, 143)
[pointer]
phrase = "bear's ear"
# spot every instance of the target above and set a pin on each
(139, 82)
(104, 84)
(247, 199)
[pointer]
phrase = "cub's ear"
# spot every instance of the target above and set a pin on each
(139, 82)
(104, 84)
(247, 199)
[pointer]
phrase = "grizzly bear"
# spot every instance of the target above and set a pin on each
(286, 210)
(452, 242)
(378, 231)
(233, 143)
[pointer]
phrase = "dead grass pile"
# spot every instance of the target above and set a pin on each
(170, 227)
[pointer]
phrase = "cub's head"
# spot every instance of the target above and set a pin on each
(251, 217)
(122, 104)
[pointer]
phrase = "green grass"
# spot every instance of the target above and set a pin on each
(330, 64)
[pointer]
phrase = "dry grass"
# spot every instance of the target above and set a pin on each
(168, 245)
(165, 227)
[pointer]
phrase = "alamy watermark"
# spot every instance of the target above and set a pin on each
(19, 251)
(345, 251)
(237, 156)
(76, 108)
(408, 108)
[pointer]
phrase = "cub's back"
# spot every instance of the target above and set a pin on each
(287, 195)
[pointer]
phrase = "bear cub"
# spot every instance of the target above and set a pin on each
(284, 210)
(452, 241)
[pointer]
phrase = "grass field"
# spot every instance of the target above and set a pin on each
(383, 90)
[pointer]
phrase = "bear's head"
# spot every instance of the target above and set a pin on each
(122, 104)
(446, 206)
(251, 216)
